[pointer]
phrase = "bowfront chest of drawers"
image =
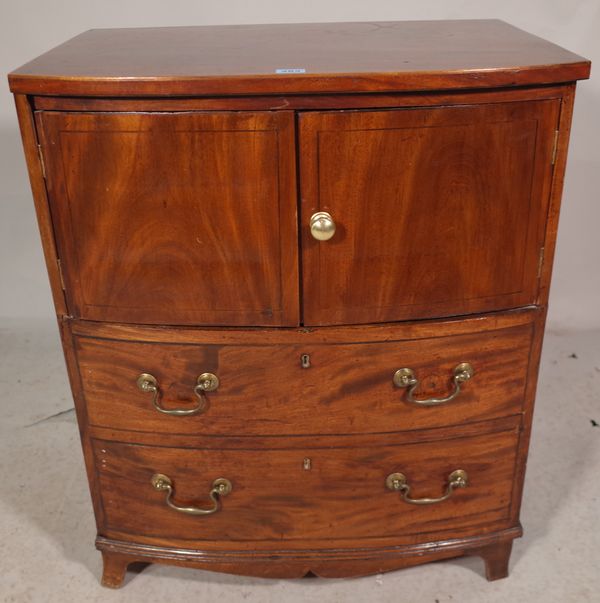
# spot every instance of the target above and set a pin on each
(301, 275)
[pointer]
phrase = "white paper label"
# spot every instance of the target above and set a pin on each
(290, 70)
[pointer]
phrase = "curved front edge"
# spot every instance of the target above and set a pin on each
(494, 548)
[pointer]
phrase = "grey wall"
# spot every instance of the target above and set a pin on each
(30, 27)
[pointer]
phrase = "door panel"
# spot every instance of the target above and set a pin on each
(177, 218)
(439, 211)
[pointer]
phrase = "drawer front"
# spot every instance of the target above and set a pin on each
(175, 218)
(439, 211)
(265, 390)
(294, 493)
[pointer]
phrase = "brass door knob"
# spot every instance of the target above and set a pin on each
(322, 226)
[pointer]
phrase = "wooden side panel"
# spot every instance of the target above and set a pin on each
(183, 218)
(439, 211)
(82, 418)
(562, 146)
(347, 388)
(40, 199)
(275, 497)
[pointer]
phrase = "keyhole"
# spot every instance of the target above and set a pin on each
(305, 361)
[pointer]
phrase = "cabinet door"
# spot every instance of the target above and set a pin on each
(439, 211)
(178, 218)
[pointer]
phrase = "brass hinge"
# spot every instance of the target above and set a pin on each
(540, 262)
(60, 274)
(555, 147)
(42, 164)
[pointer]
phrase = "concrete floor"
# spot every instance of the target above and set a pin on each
(47, 530)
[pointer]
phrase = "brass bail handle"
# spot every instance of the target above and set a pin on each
(322, 226)
(206, 382)
(220, 487)
(398, 482)
(406, 378)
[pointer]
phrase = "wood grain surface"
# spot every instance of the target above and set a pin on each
(438, 211)
(342, 497)
(378, 332)
(493, 547)
(347, 388)
(289, 102)
(326, 57)
(175, 218)
(40, 199)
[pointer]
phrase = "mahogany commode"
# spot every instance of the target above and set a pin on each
(301, 274)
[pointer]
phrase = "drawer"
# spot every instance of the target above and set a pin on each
(331, 491)
(263, 389)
